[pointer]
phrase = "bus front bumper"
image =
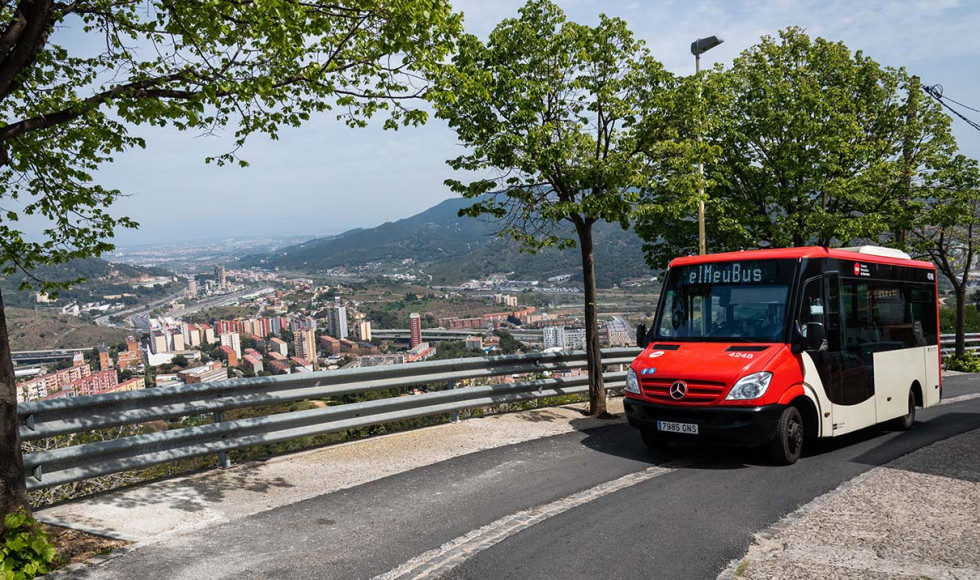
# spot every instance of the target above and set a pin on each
(723, 425)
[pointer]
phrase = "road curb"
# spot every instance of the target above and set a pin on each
(766, 537)
(771, 543)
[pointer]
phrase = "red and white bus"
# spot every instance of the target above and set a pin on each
(772, 347)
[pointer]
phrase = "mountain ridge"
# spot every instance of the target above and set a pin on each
(454, 249)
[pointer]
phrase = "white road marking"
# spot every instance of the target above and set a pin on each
(959, 399)
(440, 560)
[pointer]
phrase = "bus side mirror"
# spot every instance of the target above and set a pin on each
(641, 336)
(816, 336)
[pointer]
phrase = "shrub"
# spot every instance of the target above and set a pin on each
(967, 364)
(947, 319)
(25, 551)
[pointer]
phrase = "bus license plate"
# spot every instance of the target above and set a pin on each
(671, 427)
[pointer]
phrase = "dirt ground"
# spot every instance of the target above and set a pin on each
(74, 546)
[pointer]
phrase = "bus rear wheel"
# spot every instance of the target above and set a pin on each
(787, 446)
(904, 423)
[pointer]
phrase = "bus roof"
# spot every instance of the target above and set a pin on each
(804, 252)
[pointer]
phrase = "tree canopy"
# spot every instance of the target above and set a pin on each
(807, 143)
(946, 229)
(561, 123)
(74, 77)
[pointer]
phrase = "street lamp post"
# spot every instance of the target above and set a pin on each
(699, 47)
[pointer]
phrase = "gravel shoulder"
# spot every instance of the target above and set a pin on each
(916, 517)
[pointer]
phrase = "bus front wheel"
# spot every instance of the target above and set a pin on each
(904, 423)
(787, 446)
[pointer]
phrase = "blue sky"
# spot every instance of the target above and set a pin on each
(326, 178)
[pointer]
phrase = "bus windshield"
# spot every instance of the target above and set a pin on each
(741, 301)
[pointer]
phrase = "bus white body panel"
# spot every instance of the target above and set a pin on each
(815, 392)
(895, 374)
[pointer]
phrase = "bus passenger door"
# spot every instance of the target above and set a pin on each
(834, 355)
(849, 354)
(813, 309)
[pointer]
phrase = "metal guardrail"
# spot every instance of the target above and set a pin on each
(947, 342)
(59, 417)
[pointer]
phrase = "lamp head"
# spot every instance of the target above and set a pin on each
(703, 45)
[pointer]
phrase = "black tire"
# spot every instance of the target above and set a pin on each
(904, 423)
(787, 446)
(652, 443)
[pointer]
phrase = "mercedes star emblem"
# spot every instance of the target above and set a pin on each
(678, 390)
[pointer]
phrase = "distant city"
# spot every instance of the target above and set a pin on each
(232, 323)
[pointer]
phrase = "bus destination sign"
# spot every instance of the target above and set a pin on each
(747, 272)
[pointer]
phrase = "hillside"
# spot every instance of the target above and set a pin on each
(453, 249)
(102, 278)
(30, 330)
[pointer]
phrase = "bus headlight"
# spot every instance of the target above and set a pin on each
(750, 387)
(632, 384)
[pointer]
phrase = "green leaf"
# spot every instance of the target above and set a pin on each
(14, 520)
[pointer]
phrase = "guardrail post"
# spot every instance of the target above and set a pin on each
(453, 385)
(223, 459)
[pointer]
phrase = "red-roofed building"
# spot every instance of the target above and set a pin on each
(279, 367)
(228, 355)
(131, 385)
(94, 384)
(330, 344)
(302, 365)
(252, 362)
(128, 359)
(207, 333)
(210, 372)
(279, 345)
(51, 383)
(226, 326)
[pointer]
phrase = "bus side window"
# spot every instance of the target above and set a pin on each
(811, 307)
(675, 320)
(832, 311)
(859, 328)
(923, 311)
(891, 317)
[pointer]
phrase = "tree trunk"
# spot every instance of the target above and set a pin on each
(13, 489)
(597, 391)
(960, 319)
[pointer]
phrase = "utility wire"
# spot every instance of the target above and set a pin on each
(962, 105)
(936, 92)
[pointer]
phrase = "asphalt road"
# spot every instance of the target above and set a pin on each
(685, 522)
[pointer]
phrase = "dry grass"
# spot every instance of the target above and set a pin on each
(74, 546)
(30, 330)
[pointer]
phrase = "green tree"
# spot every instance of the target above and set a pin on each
(508, 344)
(808, 143)
(253, 67)
(563, 119)
(947, 229)
(448, 349)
